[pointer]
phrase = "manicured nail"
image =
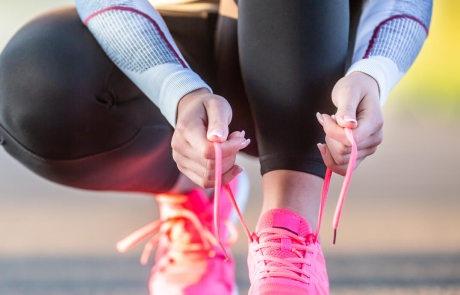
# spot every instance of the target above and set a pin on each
(321, 148)
(217, 132)
(333, 117)
(349, 118)
(242, 134)
(245, 143)
(320, 118)
(238, 170)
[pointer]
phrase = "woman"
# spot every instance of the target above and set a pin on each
(92, 107)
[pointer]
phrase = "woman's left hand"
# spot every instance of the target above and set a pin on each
(356, 97)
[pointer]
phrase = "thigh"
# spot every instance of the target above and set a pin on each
(229, 81)
(70, 115)
(292, 53)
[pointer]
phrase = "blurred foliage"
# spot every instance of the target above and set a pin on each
(433, 82)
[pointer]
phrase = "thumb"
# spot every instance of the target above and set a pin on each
(347, 104)
(219, 115)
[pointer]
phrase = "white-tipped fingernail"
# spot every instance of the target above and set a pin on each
(321, 149)
(245, 143)
(349, 118)
(333, 117)
(242, 134)
(319, 117)
(217, 132)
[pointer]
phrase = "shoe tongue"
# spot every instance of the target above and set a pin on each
(184, 231)
(289, 221)
(284, 219)
(195, 201)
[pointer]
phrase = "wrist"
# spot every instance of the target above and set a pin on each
(366, 80)
(186, 99)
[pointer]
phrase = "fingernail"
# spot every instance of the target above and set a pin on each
(245, 143)
(242, 134)
(349, 118)
(321, 148)
(320, 118)
(238, 170)
(217, 132)
(333, 117)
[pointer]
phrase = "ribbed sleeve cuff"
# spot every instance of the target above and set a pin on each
(383, 70)
(174, 87)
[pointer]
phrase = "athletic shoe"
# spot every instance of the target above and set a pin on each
(285, 257)
(189, 260)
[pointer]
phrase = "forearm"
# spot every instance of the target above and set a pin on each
(136, 39)
(389, 38)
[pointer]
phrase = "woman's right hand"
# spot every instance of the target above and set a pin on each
(203, 118)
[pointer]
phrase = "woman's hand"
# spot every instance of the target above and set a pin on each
(358, 107)
(203, 118)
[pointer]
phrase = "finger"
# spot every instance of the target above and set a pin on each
(204, 150)
(326, 155)
(370, 118)
(196, 178)
(330, 163)
(219, 115)
(232, 146)
(200, 166)
(206, 173)
(346, 99)
(335, 148)
(194, 133)
(231, 174)
(333, 130)
(374, 140)
(237, 134)
(344, 159)
(183, 147)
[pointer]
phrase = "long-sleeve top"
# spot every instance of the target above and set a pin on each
(390, 35)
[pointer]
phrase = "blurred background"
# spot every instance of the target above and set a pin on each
(399, 233)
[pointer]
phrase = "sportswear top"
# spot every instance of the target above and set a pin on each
(390, 35)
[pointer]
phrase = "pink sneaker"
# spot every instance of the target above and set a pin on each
(189, 260)
(285, 257)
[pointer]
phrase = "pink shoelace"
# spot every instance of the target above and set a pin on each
(327, 180)
(276, 267)
(161, 227)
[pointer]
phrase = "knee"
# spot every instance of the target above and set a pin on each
(50, 74)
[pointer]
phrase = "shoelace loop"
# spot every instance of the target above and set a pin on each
(161, 227)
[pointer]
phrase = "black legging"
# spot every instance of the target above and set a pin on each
(70, 115)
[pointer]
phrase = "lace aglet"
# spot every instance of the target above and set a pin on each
(334, 237)
(223, 250)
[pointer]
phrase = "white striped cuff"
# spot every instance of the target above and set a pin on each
(382, 69)
(174, 87)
